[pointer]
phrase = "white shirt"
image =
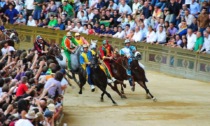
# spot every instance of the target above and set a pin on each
(150, 37)
(85, 31)
(189, 19)
(144, 32)
(29, 4)
(31, 23)
(6, 50)
(161, 36)
(119, 35)
(114, 6)
(23, 122)
(188, 1)
(76, 29)
(135, 7)
(206, 44)
(125, 9)
(83, 20)
(138, 36)
(79, 14)
(90, 16)
(191, 41)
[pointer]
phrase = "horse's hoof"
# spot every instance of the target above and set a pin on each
(154, 99)
(123, 97)
(133, 88)
(80, 92)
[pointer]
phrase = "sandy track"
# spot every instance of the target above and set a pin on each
(181, 102)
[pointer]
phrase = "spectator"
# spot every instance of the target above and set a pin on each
(203, 20)
(96, 16)
(184, 42)
(21, 20)
(31, 21)
(112, 6)
(90, 15)
(171, 30)
(53, 21)
(130, 35)
(173, 8)
(194, 25)
(206, 44)
(11, 14)
(127, 30)
(59, 25)
(198, 42)
(146, 11)
(194, 8)
(188, 18)
(38, 9)
(135, 7)
(182, 28)
(115, 18)
(78, 28)
(102, 30)
(90, 29)
(178, 41)
(69, 25)
(161, 36)
(81, 10)
(155, 16)
(6, 48)
(191, 38)
(138, 36)
(124, 8)
(161, 23)
(57, 82)
(51, 9)
(22, 87)
(69, 9)
(96, 28)
(182, 11)
(29, 8)
(120, 33)
(85, 29)
(83, 19)
(151, 36)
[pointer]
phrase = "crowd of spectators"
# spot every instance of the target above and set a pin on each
(31, 87)
(176, 23)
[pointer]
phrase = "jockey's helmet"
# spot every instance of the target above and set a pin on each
(38, 37)
(85, 46)
(68, 34)
(127, 41)
(104, 42)
(77, 34)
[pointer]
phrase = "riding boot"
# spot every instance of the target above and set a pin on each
(131, 84)
(113, 79)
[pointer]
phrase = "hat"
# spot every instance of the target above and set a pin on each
(68, 34)
(38, 37)
(77, 34)
(51, 107)
(85, 46)
(31, 114)
(48, 113)
(104, 41)
(127, 41)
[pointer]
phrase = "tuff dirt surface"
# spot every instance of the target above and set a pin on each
(181, 102)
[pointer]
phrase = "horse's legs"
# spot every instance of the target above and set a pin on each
(108, 95)
(75, 79)
(116, 89)
(102, 97)
(143, 85)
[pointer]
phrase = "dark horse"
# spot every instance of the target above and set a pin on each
(119, 66)
(12, 36)
(98, 77)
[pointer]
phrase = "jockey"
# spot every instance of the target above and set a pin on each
(80, 40)
(69, 45)
(39, 45)
(85, 57)
(128, 51)
(106, 54)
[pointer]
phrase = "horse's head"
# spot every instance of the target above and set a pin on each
(137, 56)
(94, 62)
(93, 44)
(55, 51)
(13, 35)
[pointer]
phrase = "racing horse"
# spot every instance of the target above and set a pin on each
(12, 36)
(99, 78)
(119, 66)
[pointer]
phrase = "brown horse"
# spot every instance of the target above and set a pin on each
(119, 66)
